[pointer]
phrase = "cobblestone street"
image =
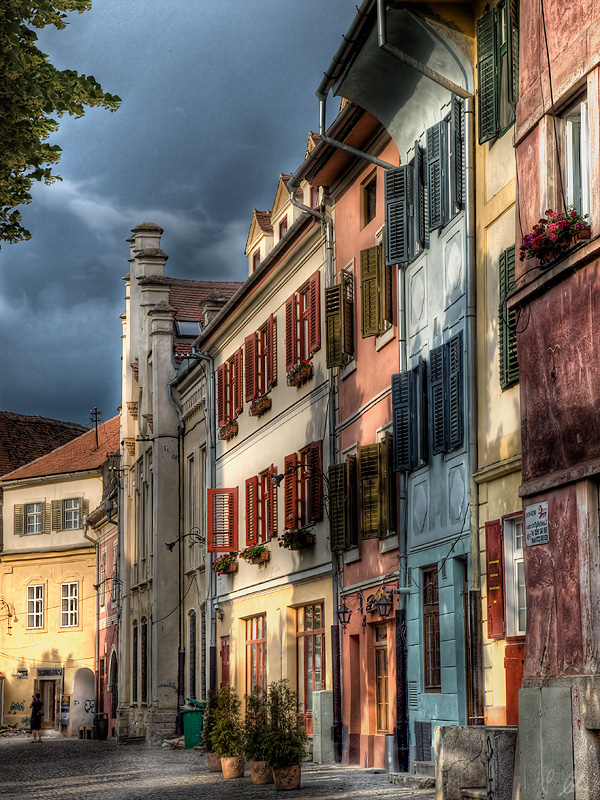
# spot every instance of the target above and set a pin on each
(71, 769)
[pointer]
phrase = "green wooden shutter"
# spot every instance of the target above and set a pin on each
(57, 516)
(507, 322)
(437, 406)
(19, 520)
(402, 417)
(513, 51)
(454, 392)
(398, 202)
(386, 298)
(420, 235)
(487, 69)
(370, 491)
(421, 405)
(456, 156)
(334, 325)
(435, 175)
(369, 293)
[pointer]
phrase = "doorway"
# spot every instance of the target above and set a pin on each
(49, 694)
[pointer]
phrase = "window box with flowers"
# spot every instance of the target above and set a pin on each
(229, 430)
(256, 554)
(300, 373)
(296, 538)
(225, 564)
(259, 405)
(554, 234)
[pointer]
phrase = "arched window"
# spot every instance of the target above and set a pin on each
(144, 660)
(134, 663)
(114, 685)
(193, 654)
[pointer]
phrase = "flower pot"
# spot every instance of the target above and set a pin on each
(584, 233)
(260, 773)
(287, 778)
(214, 762)
(261, 558)
(233, 767)
(228, 431)
(300, 375)
(260, 407)
(230, 568)
(306, 541)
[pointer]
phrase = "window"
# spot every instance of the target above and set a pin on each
(369, 195)
(446, 413)
(507, 322)
(102, 586)
(255, 260)
(497, 69)
(311, 657)
(35, 606)
(69, 605)
(381, 678)
(31, 518)
(315, 201)
(339, 320)
(67, 514)
(256, 653)
(283, 226)
(261, 507)
(71, 514)
(506, 596)
(577, 158)
(192, 655)
(144, 660)
(134, 663)
(33, 513)
(431, 629)
(229, 383)
(303, 322)
(222, 520)
(261, 360)
(409, 410)
(375, 292)
(377, 489)
(342, 505)
(303, 486)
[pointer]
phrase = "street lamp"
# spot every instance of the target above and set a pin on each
(344, 612)
(10, 610)
(194, 534)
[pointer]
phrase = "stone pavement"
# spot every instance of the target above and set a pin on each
(73, 769)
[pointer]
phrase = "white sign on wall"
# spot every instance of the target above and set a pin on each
(536, 524)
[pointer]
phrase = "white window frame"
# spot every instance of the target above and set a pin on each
(35, 606)
(577, 157)
(514, 577)
(71, 514)
(69, 604)
(33, 511)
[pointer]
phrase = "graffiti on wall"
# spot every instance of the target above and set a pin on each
(17, 705)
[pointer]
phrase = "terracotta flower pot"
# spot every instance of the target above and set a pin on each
(233, 767)
(261, 773)
(214, 762)
(287, 778)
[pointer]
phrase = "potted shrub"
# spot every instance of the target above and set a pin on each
(300, 373)
(225, 564)
(208, 727)
(228, 733)
(554, 234)
(296, 538)
(259, 405)
(285, 743)
(256, 554)
(229, 430)
(255, 736)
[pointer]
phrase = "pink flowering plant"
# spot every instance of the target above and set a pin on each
(253, 551)
(554, 233)
(224, 563)
(300, 372)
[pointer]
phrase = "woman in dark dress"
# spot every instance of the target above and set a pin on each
(37, 713)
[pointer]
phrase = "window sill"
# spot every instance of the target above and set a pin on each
(385, 338)
(350, 556)
(348, 369)
(389, 543)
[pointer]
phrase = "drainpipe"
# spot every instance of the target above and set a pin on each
(335, 579)
(97, 643)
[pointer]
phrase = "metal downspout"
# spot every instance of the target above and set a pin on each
(96, 544)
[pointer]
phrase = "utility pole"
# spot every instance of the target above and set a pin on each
(95, 416)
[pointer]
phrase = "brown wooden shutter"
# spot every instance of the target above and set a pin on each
(369, 293)
(222, 520)
(57, 515)
(334, 325)
(252, 510)
(315, 462)
(237, 382)
(19, 520)
(46, 517)
(272, 503)
(386, 300)
(342, 504)
(494, 559)
(290, 488)
(347, 280)
(314, 290)
(250, 346)
(370, 491)
(221, 389)
(387, 485)
(271, 343)
(291, 332)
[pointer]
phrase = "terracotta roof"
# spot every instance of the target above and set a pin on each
(24, 437)
(264, 220)
(76, 456)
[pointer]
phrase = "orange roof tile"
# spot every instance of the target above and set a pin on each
(24, 437)
(78, 455)
(264, 220)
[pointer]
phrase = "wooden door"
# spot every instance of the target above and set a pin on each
(224, 661)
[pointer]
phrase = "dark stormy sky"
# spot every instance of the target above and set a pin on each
(218, 98)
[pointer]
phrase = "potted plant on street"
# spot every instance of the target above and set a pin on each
(285, 744)
(208, 727)
(228, 735)
(256, 554)
(255, 736)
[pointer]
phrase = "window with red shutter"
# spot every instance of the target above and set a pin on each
(222, 520)
(290, 486)
(291, 332)
(222, 394)
(252, 510)
(251, 352)
(314, 292)
(494, 557)
(236, 381)
(271, 348)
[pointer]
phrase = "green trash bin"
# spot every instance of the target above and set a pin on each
(193, 718)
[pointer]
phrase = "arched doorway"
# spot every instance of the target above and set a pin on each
(113, 685)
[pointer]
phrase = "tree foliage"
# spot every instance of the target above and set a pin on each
(33, 97)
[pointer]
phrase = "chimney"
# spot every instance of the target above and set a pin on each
(213, 303)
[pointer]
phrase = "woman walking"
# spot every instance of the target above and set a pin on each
(37, 712)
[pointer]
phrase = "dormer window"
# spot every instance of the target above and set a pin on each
(255, 260)
(283, 226)
(187, 328)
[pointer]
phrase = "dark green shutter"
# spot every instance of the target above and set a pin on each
(454, 358)
(342, 504)
(507, 322)
(513, 51)
(456, 156)
(422, 445)
(347, 281)
(398, 202)
(334, 325)
(421, 239)
(370, 491)
(435, 175)
(487, 77)
(369, 293)
(403, 420)
(437, 406)
(386, 299)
